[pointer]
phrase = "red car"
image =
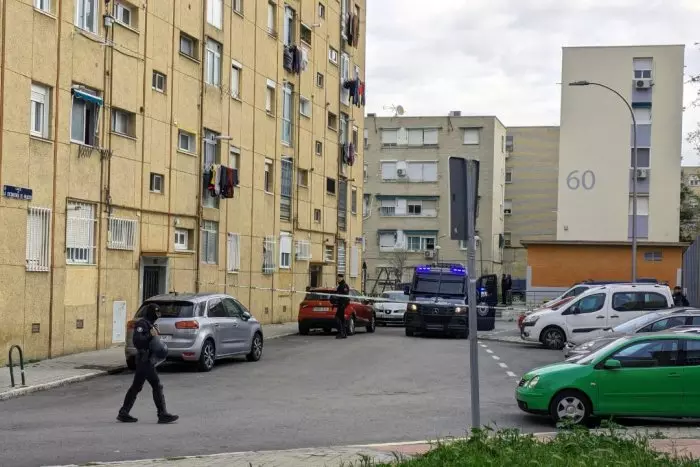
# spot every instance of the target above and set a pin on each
(317, 312)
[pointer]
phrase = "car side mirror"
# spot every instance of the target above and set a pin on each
(575, 310)
(246, 316)
(407, 290)
(612, 364)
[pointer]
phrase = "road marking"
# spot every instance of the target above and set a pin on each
(495, 357)
(489, 351)
(503, 365)
(511, 374)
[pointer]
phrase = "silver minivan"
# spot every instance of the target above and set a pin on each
(201, 328)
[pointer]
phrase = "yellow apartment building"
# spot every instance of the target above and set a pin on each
(174, 145)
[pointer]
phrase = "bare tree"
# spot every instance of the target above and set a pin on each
(398, 259)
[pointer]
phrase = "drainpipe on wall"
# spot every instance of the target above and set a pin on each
(200, 208)
(252, 184)
(54, 136)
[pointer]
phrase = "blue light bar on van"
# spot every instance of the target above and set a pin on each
(457, 270)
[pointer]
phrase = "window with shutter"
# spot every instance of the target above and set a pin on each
(389, 137)
(268, 264)
(341, 257)
(38, 239)
(388, 170)
(430, 137)
(285, 250)
(430, 172)
(233, 256)
(354, 261)
(415, 137)
(80, 233)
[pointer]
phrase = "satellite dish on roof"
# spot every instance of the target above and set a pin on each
(400, 110)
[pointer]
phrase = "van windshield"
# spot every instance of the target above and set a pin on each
(435, 285)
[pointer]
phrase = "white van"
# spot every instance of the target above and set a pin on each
(599, 308)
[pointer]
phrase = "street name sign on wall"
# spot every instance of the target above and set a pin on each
(16, 192)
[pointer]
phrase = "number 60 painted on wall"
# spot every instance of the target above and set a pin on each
(586, 180)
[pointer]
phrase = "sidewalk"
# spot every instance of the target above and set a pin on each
(679, 441)
(69, 369)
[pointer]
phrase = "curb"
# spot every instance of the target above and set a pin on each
(24, 391)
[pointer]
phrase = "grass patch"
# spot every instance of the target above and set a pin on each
(575, 447)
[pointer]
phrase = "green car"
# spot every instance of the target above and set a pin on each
(636, 376)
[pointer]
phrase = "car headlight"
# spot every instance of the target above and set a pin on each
(530, 319)
(533, 382)
(459, 310)
(412, 307)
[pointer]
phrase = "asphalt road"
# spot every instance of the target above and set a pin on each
(307, 391)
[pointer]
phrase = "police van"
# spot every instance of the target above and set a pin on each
(438, 300)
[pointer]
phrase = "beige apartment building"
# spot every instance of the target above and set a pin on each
(531, 192)
(406, 198)
(198, 145)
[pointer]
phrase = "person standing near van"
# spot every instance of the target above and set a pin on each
(679, 299)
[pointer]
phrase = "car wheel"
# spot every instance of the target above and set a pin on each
(256, 348)
(208, 356)
(570, 406)
(131, 363)
(409, 332)
(372, 326)
(553, 338)
(351, 326)
(303, 329)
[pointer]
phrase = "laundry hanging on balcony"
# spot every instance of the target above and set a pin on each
(357, 91)
(220, 181)
(293, 59)
(352, 26)
(348, 153)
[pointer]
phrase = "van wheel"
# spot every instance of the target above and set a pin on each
(207, 357)
(553, 337)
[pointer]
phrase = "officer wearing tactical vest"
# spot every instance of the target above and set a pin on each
(151, 351)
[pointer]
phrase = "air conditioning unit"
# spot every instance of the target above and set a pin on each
(642, 174)
(643, 83)
(401, 172)
(430, 254)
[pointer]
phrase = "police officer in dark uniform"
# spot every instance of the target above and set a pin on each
(151, 351)
(341, 302)
(679, 299)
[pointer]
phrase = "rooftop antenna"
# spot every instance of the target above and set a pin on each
(397, 109)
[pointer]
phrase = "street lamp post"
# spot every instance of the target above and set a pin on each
(635, 165)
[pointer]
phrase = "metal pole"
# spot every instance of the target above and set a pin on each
(471, 293)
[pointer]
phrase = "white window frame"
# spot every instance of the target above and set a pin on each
(119, 9)
(182, 240)
(237, 6)
(271, 17)
(423, 242)
(234, 159)
(268, 179)
(509, 176)
(321, 10)
(328, 121)
(233, 252)
(344, 76)
(270, 97)
(643, 115)
(419, 136)
(317, 219)
(210, 236)
(355, 256)
(288, 25)
(78, 104)
(303, 250)
(43, 5)
(320, 80)
(38, 247)
(388, 170)
(507, 207)
(213, 63)
(414, 203)
(507, 239)
(40, 109)
(332, 55)
(305, 107)
(285, 250)
(287, 113)
(156, 182)
(121, 122)
(215, 12)
(81, 19)
(642, 206)
(303, 177)
(329, 253)
(191, 138)
(159, 81)
(80, 222)
(422, 178)
(472, 136)
(121, 234)
(236, 75)
(268, 264)
(390, 137)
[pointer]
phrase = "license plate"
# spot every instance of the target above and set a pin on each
(166, 338)
(321, 308)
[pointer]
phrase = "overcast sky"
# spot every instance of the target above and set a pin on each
(503, 57)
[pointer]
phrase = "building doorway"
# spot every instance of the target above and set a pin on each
(154, 276)
(315, 275)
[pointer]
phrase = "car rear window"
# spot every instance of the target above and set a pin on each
(171, 309)
(318, 295)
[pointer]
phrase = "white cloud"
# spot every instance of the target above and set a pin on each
(503, 57)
